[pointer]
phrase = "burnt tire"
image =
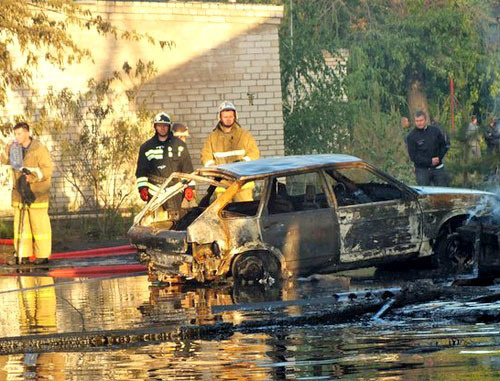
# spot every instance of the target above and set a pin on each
(256, 267)
(454, 255)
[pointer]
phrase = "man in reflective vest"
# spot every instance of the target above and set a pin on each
(159, 157)
(228, 143)
(30, 196)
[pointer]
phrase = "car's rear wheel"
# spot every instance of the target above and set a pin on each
(256, 267)
(454, 255)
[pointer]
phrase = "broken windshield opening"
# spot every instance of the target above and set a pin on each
(172, 201)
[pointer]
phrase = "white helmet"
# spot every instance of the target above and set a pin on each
(162, 118)
(227, 106)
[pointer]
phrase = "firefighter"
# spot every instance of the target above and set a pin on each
(158, 158)
(228, 143)
(30, 197)
(181, 131)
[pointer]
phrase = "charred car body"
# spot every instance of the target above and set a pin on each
(310, 214)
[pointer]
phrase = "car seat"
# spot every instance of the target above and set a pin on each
(310, 198)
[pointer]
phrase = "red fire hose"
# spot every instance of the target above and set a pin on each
(95, 271)
(100, 252)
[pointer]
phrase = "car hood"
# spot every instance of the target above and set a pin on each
(445, 190)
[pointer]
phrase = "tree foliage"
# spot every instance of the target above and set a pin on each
(400, 56)
(99, 140)
(39, 30)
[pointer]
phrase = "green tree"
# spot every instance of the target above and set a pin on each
(99, 140)
(400, 56)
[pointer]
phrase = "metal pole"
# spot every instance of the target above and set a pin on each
(20, 231)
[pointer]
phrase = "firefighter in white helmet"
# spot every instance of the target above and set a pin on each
(229, 142)
(159, 157)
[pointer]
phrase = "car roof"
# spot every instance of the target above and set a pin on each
(277, 165)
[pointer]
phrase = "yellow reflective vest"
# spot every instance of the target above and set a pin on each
(228, 147)
(37, 160)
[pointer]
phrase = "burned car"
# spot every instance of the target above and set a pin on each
(309, 214)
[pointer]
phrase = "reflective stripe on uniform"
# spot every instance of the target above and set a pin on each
(246, 158)
(24, 235)
(209, 163)
(42, 237)
(142, 182)
(249, 185)
(35, 205)
(238, 152)
(153, 189)
(155, 153)
(37, 237)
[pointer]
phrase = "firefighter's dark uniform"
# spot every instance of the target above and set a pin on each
(157, 160)
(37, 232)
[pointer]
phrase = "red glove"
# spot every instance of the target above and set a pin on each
(144, 194)
(188, 193)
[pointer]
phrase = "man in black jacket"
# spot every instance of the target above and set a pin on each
(427, 146)
(159, 157)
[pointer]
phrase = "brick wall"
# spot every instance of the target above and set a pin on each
(221, 52)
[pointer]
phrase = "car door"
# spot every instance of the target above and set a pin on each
(377, 217)
(299, 220)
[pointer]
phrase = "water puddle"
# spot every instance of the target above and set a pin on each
(150, 340)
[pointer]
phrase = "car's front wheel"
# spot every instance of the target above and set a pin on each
(454, 255)
(256, 267)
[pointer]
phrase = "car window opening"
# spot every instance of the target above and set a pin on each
(297, 193)
(355, 186)
(247, 206)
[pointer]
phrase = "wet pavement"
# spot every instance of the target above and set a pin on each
(416, 342)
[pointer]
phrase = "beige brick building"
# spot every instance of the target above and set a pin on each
(220, 52)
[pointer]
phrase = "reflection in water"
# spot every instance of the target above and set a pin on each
(36, 314)
(37, 305)
(397, 350)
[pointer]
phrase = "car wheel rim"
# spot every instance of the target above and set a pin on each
(458, 254)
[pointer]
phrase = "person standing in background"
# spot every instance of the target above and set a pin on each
(427, 147)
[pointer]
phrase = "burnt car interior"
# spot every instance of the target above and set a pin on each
(241, 208)
(296, 193)
(245, 208)
(353, 186)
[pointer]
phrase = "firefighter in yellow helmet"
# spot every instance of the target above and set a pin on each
(31, 174)
(228, 143)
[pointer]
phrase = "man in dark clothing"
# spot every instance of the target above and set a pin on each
(159, 157)
(427, 146)
(492, 137)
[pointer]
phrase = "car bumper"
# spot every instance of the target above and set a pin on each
(167, 250)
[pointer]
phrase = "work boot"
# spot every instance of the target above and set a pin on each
(16, 261)
(40, 261)
(12, 261)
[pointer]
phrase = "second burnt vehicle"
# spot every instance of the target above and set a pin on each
(310, 214)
